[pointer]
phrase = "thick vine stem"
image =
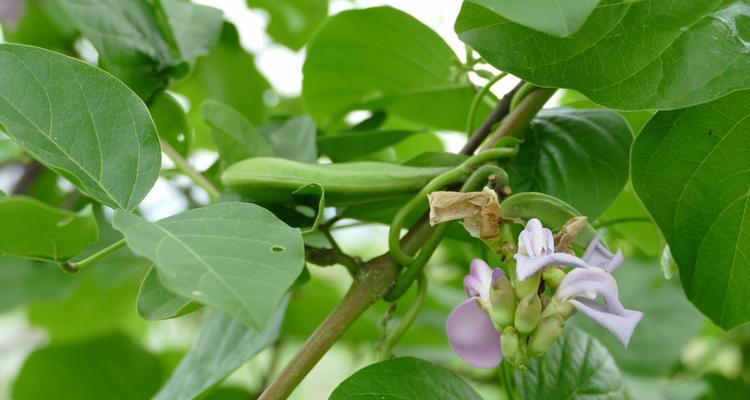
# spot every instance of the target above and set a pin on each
(517, 121)
(371, 283)
(501, 111)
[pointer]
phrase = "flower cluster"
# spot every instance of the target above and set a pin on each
(521, 316)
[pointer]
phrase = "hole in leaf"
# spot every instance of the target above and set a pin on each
(277, 248)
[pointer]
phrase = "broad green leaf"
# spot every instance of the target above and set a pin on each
(689, 167)
(103, 368)
(404, 378)
(274, 179)
(236, 257)
(554, 17)
(628, 222)
(235, 137)
(631, 55)
(292, 21)
(381, 58)
(227, 74)
(679, 388)
(636, 119)
(26, 282)
(578, 156)
(155, 302)
(293, 139)
(80, 122)
(96, 307)
(131, 38)
(196, 28)
(576, 367)
(553, 213)
(224, 345)
(656, 346)
(33, 229)
(349, 145)
(171, 122)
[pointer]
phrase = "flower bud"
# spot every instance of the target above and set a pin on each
(546, 333)
(559, 308)
(503, 302)
(509, 344)
(528, 313)
(552, 277)
(529, 286)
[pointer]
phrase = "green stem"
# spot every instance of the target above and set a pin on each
(505, 380)
(478, 99)
(521, 94)
(183, 165)
(515, 123)
(408, 319)
(75, 266)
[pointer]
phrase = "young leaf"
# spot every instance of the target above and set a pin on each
(236, 257)
(196, 28)
(690, 170)
(394, 379)
(224, 345)
(80, 122)
(578, 156)
(33, 229)
(235, 137)
(346, 146)
(171, 122)
(27, 282)
(90, 370)
(294, 139)
(155, 302)
(407, 65)
(631, 55)
(292, 21)
(577, 366)
(554, 17)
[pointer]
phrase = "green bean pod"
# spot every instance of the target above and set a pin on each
(272, 180)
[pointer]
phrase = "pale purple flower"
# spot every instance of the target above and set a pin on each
(536, 249)
(471, 334)
(11, 12)
(582, 286)
(598, 255)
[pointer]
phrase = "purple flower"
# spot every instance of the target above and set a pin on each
(582, 286)
(598, 255)
(536, 249)
(471, 334)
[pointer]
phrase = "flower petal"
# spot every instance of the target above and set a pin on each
(598, 255)
(479, 280)
(588, 283)
(534, 239)
(621, 326)
(472, 335)
(527, 266)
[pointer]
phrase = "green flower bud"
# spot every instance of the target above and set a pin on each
(509, 344)
(528, 312)
(552, 277)
(546, 333)
(503, 302)
(559, 308)
(529, 286)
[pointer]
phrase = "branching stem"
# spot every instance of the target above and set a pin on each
(182, 164)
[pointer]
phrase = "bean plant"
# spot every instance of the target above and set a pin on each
(585, 234)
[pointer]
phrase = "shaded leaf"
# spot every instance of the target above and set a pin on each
(155, 302)
(236, 257)
(87, 126)
(293, 139)
(347, 146)
(235, 137)
(292, 21)
(171, 122)
(26, 282)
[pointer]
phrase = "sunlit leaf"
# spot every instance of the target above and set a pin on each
(554, 17)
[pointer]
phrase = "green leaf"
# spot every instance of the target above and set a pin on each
(103, 368)
(33, 229)
(347, 146)
(643, 288)
(577, 367)
(87, 126)
(578, 156)
(382, 58)
(689, 168)
(227, 74)
(155, 302)
(274, 179)
(404, 378)
(196, 28)
(554, 17)
(42, 24)
(235, 137)
(224, 345)
(553, 213)
(628, 222)
(171, 122)
(679, 388)
(294, 139)
(292, 21)
(26, 282)
(236, 257)
(631, 55)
